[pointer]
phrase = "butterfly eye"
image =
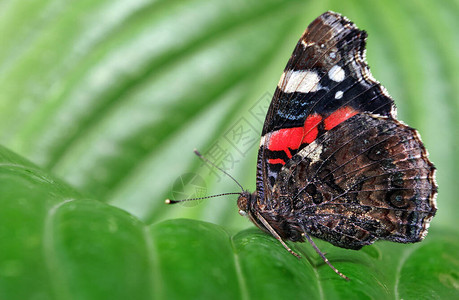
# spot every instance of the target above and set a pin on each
(242, 213)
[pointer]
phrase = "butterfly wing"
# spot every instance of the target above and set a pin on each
(325, 82)
(333, 160)
(369, 178)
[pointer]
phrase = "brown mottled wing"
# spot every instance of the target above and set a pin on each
(367, 179)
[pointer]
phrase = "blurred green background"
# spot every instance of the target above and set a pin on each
(113, 96)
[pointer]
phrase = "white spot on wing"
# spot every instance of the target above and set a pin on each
(339, 95)
(313, 151)
(305, 44)
(262, 140)
(336, 73)
(299, 81)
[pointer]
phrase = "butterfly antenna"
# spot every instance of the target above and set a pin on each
(214, 165)
(169, 201)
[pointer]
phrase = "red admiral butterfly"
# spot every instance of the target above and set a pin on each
(334, 162)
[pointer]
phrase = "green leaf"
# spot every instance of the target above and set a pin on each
(63, 246)
(56, 244)
(113, 96)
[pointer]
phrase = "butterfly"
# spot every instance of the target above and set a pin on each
(334, 162)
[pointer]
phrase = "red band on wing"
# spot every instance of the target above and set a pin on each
(292, 138)
(283, 139)
(274, 161)
(339, 116)
(310, 128)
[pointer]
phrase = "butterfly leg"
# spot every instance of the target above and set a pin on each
(275, 234)
(323, 256)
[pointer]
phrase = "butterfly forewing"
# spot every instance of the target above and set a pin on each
(326, 78)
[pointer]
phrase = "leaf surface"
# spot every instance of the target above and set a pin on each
(113, 96)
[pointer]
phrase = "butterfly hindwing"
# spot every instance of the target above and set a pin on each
(376, 183)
